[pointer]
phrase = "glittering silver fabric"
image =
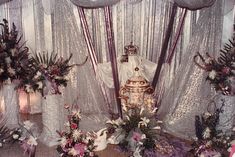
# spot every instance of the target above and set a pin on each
(189, 93)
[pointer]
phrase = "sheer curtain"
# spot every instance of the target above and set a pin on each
(189, 93)
(68, 38)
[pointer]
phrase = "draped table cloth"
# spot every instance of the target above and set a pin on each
(11, 104)
(126, 70)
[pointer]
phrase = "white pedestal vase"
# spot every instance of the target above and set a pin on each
(50, 119)
(227, 118)
(11, 105)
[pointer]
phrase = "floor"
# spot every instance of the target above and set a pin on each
(44, 151)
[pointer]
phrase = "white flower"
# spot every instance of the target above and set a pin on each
(28, 125)
(66, 77)
(137, 152)
(124, 108)
(206, 115)
(1, 71)
(77, 114)
(38, 74)
(143, 136)
(22, 138)
(8, 81)
(128, 118)
(11, 71)
(154, 110)
(76, 134)
(232, 142)
(73, 152)
(28, 88)
(13, 51)
(212, 74)
(67, 124)
(144, 122)
(208, 60)
(218, 155)
(141, 110)
(63, 141)
(15, 136)
(206, 133)
(119, 121)
(39, 85)
(233, 64)
(32, 141)
(59, 77)
(8, 60)
(157, 128)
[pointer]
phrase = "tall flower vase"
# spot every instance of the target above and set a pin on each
(50, 119)
(11, 104)
(227, 118)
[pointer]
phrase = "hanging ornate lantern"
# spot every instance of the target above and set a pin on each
(137, 92)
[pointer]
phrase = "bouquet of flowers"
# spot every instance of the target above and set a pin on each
(221, 72)
(210, 141)
(74, 142)
(137, 132)
(46, 72)
(13, 57)
(23, 135)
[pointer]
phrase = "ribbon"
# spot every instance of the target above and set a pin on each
(112, 54)
(91, 49)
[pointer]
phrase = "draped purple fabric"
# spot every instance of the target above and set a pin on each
(164, 47)
(94, 3)
(176, 39)
(90, 48)
(112, 53)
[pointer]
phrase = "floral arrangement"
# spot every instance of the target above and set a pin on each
(74, 142)
(24, 135)
(137, 132)
(221, 72)
(13, 57)
(46, 72)
(210, 141)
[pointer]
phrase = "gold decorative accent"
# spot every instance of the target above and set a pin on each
(137, 92)
(131, 49)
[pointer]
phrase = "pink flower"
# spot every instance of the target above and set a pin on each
(74, 126)
(80, 148)
(226, 70)
(136, 136)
